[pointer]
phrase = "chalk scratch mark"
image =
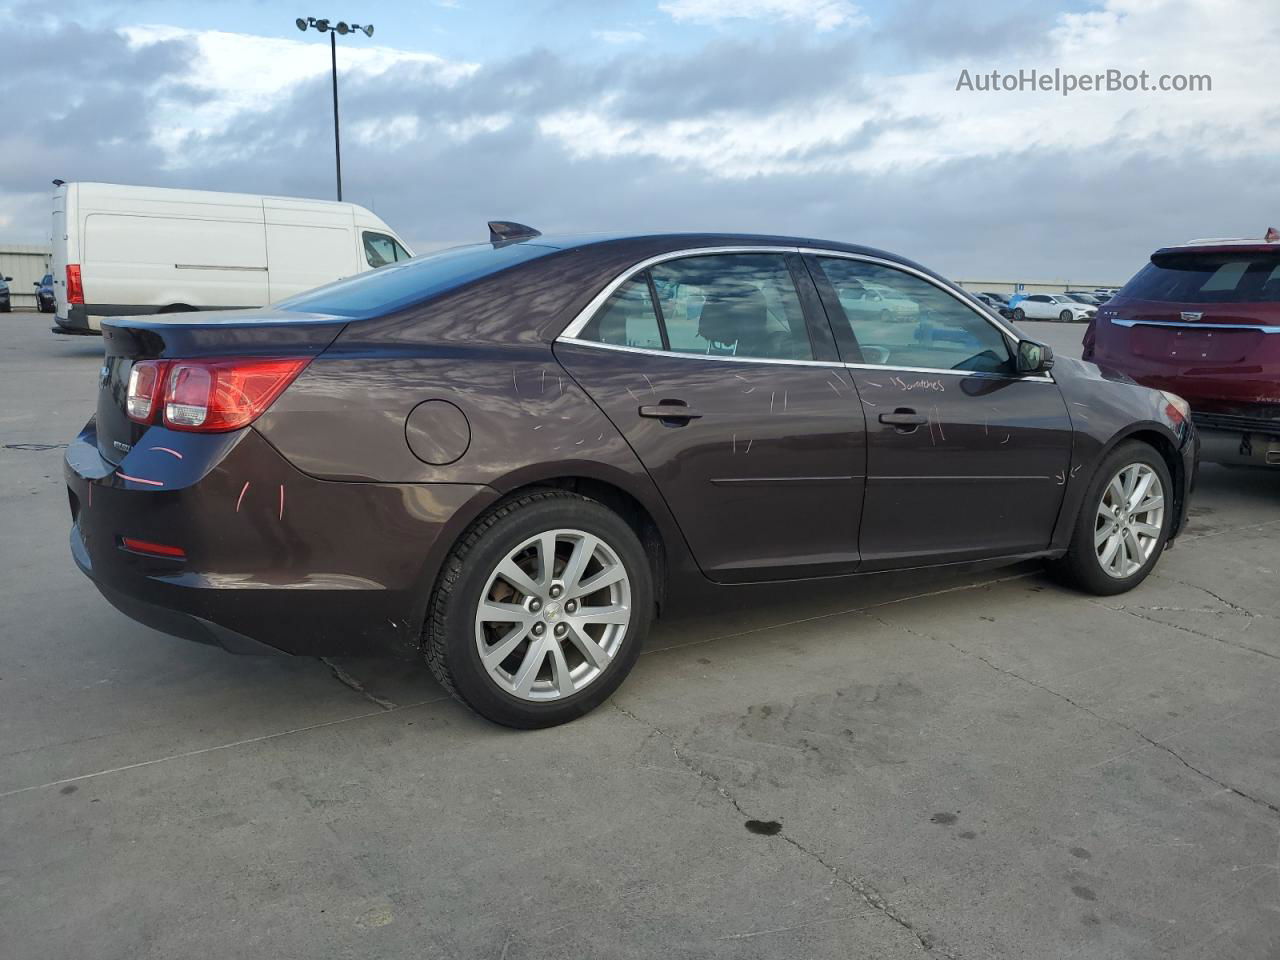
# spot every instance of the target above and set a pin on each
(1007, 438)
(868, 402)
(168, 450)
(650, 383)
(514, 386)
(240, 499)
(281, 516)
(749, 443)
(772, 396)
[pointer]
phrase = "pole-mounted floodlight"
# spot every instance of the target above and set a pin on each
(341, 27)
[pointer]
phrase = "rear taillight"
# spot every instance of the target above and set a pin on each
(208, 396)
(146, 383)
(75, 288)
(215, 395)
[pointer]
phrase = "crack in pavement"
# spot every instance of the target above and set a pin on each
(347, 680)
(1235, 607)
(1132, 612)
(865, 892)
(1266, 804)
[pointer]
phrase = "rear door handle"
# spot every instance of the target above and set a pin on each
(670, 412)
(904, 420)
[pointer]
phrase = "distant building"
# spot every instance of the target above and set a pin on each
(26, 263)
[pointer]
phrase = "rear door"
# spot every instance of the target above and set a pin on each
(707, 365)
(965, 459)
(62, 254)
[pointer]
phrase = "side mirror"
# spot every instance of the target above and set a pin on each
(1034, 357)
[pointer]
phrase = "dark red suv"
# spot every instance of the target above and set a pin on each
(1202, 320)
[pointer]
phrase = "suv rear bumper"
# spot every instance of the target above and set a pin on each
(274, 560)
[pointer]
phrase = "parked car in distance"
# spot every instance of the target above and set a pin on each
(1079, 296)
(129, 251)
(44, 294)
(6, 304)
(996, 304)
(1203, 320)
(1052, 306)
(508, 458)
(875, 300)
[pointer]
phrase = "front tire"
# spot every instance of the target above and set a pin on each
(1019, 314)
(1124, 522)
(540, 610)
(1066, 316)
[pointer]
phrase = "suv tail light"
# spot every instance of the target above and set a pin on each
(209, 396)
(75, 288)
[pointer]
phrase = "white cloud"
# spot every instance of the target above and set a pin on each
(820, 14)
(247, 74)
(618, 38)
(1234, 37)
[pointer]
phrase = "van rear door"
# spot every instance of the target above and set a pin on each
(61, 239)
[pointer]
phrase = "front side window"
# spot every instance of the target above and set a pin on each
(380, 249)
(917, 325)
(721, 305)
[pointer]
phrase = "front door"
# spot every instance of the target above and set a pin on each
(705, 364)
(965, 459)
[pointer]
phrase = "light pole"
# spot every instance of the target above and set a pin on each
(333, 29)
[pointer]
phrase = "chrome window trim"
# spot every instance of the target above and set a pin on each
(984, 374)
(830, 364)
(1187, 325)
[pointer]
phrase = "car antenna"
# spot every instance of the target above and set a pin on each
(501, 230)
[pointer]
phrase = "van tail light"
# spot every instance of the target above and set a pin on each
(209, 396)
(75, 288)
(146, 383)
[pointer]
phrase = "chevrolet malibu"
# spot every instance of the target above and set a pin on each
(508, 458)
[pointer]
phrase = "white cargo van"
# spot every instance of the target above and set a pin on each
(121, 250)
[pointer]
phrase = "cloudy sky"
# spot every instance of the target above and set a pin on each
(828, 118)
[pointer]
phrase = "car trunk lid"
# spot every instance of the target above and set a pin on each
(223, 334)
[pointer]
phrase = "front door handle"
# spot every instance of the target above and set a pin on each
(674, 413)
(904, 420)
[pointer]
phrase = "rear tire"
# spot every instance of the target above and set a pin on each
(1117, 541)
(563, 652)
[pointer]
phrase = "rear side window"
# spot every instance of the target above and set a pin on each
(1208, 278)
(628, 319)
(402, 284)
(380, 249)
(722, 305)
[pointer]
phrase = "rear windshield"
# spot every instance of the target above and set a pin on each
(1208, 278)
(398, 285)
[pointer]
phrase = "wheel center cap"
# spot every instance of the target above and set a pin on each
(551, 611)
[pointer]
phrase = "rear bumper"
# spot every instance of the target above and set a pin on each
(275, 561)
(75, 322)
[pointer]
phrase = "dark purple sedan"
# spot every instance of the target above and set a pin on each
(508, 458)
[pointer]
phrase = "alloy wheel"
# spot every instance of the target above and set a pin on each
(1129, 520)
(553, 615)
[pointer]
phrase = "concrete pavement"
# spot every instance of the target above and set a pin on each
(961, 767)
